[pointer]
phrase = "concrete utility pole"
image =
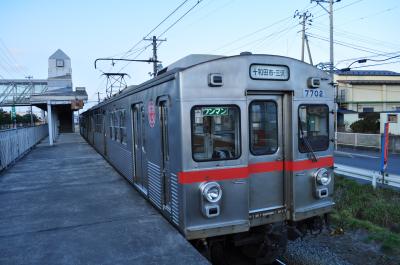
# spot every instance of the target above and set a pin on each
(331, 59)
(154, 59)
(305, 18)
(330, 12)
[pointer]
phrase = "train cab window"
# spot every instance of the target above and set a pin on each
(313, 128)
(215, 133)
(263, 127)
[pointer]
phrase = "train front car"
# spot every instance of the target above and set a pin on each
(259, 163)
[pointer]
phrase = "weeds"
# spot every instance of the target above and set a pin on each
(359, 206)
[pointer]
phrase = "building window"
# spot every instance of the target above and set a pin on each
(368, 109)
(392, 118)
(59, 63)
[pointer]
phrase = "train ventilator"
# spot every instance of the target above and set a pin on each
(233, 151)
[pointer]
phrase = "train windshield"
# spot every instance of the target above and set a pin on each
(313, 128)
(215, 133)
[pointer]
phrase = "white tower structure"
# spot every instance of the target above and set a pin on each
(60, 73)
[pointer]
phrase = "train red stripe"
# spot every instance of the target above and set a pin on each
(243, 172)
(308, 164)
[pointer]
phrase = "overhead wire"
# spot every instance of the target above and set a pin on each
(13, 61)
(130, 51)
(166, 30)
(370, 56)
(180, 18)
(369, 65)
(259, 30)
(345, 44)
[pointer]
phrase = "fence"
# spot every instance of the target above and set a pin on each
(367, 140)
(15, 143)
(374, 177)
(359, 139)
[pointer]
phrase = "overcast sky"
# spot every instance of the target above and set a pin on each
(30, 31)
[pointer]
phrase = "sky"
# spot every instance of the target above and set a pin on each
(30, 31)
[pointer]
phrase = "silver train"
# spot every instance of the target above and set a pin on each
(233, 151)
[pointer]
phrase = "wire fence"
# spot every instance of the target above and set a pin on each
(14, 143)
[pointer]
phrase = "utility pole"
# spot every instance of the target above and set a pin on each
(308, 50)
(330, 12)
(331, 59)
(305, 18)
(98, 97)
(154, 59)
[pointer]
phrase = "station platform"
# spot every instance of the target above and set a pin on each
(64, 204)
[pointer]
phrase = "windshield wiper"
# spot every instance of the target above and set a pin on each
(310, 151)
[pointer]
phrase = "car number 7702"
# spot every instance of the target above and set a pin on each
(313, 93)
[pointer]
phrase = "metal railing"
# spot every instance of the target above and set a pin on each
(14, 143)
(359, 139)
(369, 175)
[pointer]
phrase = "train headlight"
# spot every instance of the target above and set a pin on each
(211, 191)
(322, 176)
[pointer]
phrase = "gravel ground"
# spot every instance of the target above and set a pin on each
(348, 248)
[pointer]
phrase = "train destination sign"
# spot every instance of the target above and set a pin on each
(215, 111)
(269, 72)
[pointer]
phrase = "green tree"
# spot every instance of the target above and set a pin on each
(369, 123)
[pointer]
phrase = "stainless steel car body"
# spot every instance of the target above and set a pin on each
(152, 144)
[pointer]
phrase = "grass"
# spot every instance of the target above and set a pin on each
(358, 206)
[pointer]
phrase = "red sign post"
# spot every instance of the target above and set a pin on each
(385, 148)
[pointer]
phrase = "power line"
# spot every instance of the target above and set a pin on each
(363, 66)
(367, 57)
(262, 39)
(340, 8)
(10, 55)
(167, 29)
(131, 50)
(179, 19)
(259, 30)
(355, 36)
(370, 15)
(345, 44)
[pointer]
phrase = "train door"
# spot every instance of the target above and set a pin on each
(138, 146)
(105, 132)
(266, 152)
(165, 167)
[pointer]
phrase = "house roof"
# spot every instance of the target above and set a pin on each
(59, 54)
(367, 73)
(370, 82)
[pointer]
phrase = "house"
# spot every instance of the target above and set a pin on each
(364, 91)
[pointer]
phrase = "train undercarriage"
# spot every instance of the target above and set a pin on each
(260, 245)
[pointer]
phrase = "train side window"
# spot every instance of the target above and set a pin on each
(111, 116)
(116, 125)
(122, 126)
(215, 133)
(313, 127)
(263, 127)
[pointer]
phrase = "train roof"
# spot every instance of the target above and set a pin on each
(168, 72)
(190, 60)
